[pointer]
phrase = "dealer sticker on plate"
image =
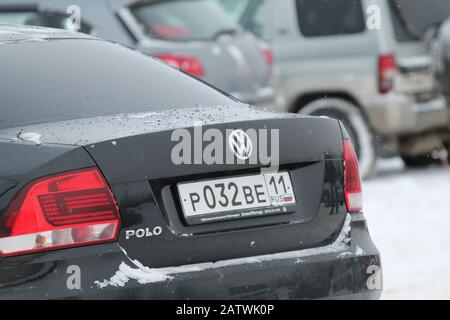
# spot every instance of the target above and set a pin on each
(236, 198)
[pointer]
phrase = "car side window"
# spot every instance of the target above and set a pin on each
(330, 17)
(249, 14)
(252, 18)
(50, 19)
(402, 30)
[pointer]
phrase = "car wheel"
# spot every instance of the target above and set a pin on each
(425, 160)
(356, 125)
(420, 161)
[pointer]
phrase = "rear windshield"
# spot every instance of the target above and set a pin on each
(72, 79)
(411, 18)
(183, 20)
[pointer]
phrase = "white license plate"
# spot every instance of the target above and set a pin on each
(236, 198)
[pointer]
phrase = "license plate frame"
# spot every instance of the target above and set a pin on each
(275, 188)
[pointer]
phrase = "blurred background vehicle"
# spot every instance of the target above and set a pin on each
(193, 35)
(438, 38)
(439, 42)
(379, 82)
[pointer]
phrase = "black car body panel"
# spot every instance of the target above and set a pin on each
(144, 186)
(22, 163)
(308, 252)
(108, 273)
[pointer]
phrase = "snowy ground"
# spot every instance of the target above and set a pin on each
(408, 212)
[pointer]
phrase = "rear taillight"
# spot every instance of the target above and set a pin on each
(188, 64)
(352, 179)
(69, 209)
(267, 53)
(387, 69)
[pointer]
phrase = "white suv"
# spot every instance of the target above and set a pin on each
(358, 61)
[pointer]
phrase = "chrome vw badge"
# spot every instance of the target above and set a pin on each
(240, 144)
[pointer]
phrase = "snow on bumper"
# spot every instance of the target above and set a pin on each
(349, 267)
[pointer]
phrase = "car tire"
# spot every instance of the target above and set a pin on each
(420, 161)
(425, 160)
(356, 125)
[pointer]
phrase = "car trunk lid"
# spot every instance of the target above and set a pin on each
(135, 154)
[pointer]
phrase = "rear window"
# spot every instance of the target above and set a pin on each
(411, 18)
(330, 17)
(183, 20)
(72, 79)
(40, 18)
(248, 13)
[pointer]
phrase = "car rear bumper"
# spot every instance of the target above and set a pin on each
(348, 269)
(399, 114)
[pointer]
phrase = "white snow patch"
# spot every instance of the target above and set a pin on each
(8, 32)
(141, 274)
(145, 275)
(344, 254)
(185, 235)
(409, 221)
(30, 137)
(359, 251)
(141, 115)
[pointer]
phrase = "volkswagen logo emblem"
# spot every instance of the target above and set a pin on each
(240, 144)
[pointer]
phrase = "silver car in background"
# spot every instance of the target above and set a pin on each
(195, 36)
(358, 61)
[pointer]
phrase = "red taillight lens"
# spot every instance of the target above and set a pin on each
(387, 69)
(267, 53)
(170, 32)
(188, 64)
(352, 180)
(68, 209)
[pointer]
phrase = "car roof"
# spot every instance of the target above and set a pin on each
(20, 33)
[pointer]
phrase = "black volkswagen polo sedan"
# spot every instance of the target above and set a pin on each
(123, 178)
